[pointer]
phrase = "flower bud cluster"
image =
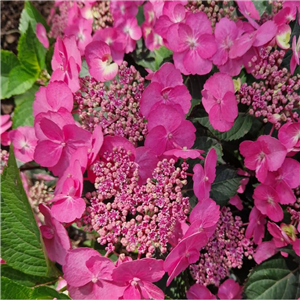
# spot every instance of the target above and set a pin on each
(215, 10)
(140, 218)
(3, 160)
(275, 96)
(114, 107)
(225, 250)
(102, 16)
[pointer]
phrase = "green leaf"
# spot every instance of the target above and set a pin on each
(19, 81)
(21, 243)
(225, 185)
(274, 279)
(160, 54)
(22, 278)
(23, 112)
(140, 15)
(260, 6)
(240, 128)
(13, 290)
(84, 71)
(31, 53)
(30, 15)
(8, 62)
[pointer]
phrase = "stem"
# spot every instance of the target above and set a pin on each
(272, 129)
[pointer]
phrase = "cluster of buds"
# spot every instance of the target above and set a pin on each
(3, 159)
(116, 107)
(225, 250)
(140, 218)
(275, 97)
(215, 10)
(102, 16)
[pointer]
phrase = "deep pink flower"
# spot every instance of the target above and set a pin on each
(193, 44)
(284, 180)
(283, 36)
(132, 31)
(81, 29)
(123, 9)
(24, 142)
(293, 6)
(167, 129)
(42, 35)
(256, 227)
(115, 39)
(88, 275)
(237, 202)
(98, 57)
(265, 154)
(249, 11)
(137, 277)
(53, 97)
(230, 289)
(184, 153)
(185, 253)
(59, 144)
(264, 251)
(66, 63)
(55, 236)
(203, 178)
(219, 101)
(170, 90)
(5, 124)
(267, 202)
(280, 236)
(289, 136)
(296, 52)
(204, 218)
(198, 291)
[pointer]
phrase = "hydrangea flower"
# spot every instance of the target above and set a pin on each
(42, 35)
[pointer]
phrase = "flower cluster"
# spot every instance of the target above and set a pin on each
(225, 250)
(115, 107)
(275, 96)
(141, 218)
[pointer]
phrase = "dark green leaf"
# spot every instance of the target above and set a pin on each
(140, 15)
(161, 54)
(20, 81)
(22, 278)
(13, 290)
(225, 185)
(274, 279)
(31, 53)
(23, 112)
(21, 243)
(240, 128)
(8, 62)
(30, 15)
(260, 6)
(84, 71)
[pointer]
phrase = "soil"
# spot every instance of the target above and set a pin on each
(10, 17)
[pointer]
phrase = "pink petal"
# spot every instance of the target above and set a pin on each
(198, 291)
(230, 289)
(265, 33)
(156, 140)
(167, 75)
(47, 153)
(264, 251)
(217, 120)
(229, 107)
(195, 64)
(210, 165)
(42, 35)
(207, 46)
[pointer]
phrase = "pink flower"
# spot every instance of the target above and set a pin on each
(230, 289)
(184, 153)
(264, 251)
(198, 291)
(167, 88)
(185, 253)
(137, 277)
(56, 145)
(123, 9)
(283, 36)
(256, 227)
(24, 142)
(55, 236)
(265, 154)
(237, 202)
(88, 275)
(289, 136)
(203, 178)
(81, 29)
(193, 44)
(66, 63)
(42, 35)
(53, 97)
(132, 31)
(115, 39)
(283, 235)
(267, 202)
(5, 124)
(219, 101)
(98, 57)
(204, 218)
(249, 11)
(296, 52)
(167, 128)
